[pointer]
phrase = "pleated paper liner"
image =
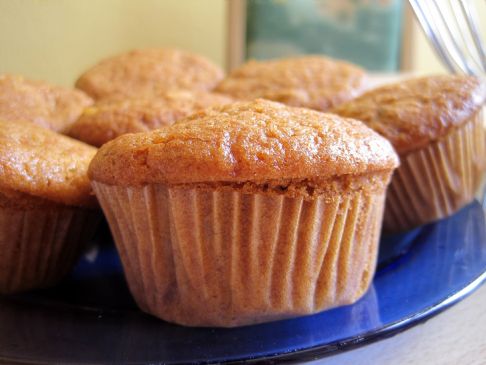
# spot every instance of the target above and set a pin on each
(225, 258)
(39, 247)
(436, 181)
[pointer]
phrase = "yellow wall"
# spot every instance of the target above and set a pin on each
(56, 40)
(424, 59)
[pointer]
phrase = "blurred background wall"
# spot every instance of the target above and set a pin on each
(56, 40)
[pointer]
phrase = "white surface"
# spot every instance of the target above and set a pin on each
(456, 336)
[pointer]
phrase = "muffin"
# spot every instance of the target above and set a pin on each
(112, 118)
(50, 106)
(435, 124)
(246, 213)
(314, 82)
(147, 72)
(47, 209)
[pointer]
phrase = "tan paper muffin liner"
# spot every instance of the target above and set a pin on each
(38, 247)
(224, 258)
(438, 180)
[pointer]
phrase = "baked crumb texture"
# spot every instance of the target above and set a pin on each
(415, 112)
(114, 117)
(259, 142)
(148, 72)
(314, 82)
(49, 106)
(41, 166)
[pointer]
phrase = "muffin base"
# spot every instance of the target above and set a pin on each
(224, 258)
(39, 246)
(438, 180)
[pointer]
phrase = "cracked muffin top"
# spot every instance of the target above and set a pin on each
(112, 118)
(148, 72)
(38, 163)
(415, 112)
(255, 141)
(50, 106)
(314, 82)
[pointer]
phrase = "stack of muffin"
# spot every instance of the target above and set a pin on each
(234, 200)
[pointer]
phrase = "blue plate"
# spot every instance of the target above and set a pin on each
(91, 318)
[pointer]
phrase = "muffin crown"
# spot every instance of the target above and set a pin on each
(314, 82)
(149, 71)
(247, 141)
(111, 118)
(414, 112)
(50, 106)
(44, 164)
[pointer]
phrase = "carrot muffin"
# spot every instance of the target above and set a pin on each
(436, 126)
(47, 209)
(146, 72)
(246, 213)
(52, 107)
(110, 119)
(314, 82)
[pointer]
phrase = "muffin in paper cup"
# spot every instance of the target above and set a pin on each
(436, 126)
(47, 210)
(246, 213)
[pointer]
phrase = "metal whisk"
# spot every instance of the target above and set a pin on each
(453, 29)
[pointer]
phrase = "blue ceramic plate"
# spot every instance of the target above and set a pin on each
(91, 318)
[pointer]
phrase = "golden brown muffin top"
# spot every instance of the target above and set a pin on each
(314, 82)
(149, 71)
(247, 141)
(44, 164)
(415, 112)
(112, 118)
(50, 106)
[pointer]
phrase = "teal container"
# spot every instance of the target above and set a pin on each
(365, 32)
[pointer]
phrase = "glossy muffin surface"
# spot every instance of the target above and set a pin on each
(254, 141)
(415, 112)
(40, 165)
